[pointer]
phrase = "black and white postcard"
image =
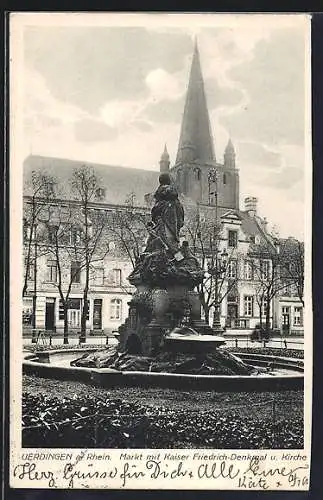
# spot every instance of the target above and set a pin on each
(160, 250)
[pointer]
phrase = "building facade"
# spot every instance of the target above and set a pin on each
(206, 187)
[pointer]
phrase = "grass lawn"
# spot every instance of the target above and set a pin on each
(193, 401)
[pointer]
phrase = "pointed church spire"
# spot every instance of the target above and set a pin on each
(229, 155)
(165, 154)
(164, 161)
(195, 141)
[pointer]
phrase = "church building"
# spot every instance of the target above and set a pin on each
(208, 188)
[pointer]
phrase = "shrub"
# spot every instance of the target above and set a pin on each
(270, 351)
(85, 422)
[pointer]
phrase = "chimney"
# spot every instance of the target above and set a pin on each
(265, 223)
(251, 205)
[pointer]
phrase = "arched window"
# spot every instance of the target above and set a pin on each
(197, 174)
(224, 178)
(116, 309)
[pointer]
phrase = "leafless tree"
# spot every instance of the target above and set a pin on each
(292, 264)
(127, 225)
(40, 191)
(205, 235)
(89, 245)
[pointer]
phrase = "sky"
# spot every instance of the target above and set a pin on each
(99, 89)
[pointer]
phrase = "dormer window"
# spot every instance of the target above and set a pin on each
(232, 239)
(100, 193)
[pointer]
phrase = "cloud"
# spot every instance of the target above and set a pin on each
(88, 66)
(255, 153)
(125, 88)
(285, 178)
(93, 131)
(119, 113)
(165, 111)
(163, 86)
(219, 96)
(142, 125)
(274, 82)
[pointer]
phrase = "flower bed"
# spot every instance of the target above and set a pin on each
(74, 347)
(92, 421)
(269, 351)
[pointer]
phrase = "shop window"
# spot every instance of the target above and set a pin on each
(298, 316)
(116, 309)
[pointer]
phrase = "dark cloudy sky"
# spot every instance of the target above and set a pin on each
(97, 89)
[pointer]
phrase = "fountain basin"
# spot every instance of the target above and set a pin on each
(290, 377)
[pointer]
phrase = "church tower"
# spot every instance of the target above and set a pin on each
(196, 156)
(229, 155)
(164, 161)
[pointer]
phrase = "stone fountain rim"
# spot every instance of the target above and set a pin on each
(108, 377)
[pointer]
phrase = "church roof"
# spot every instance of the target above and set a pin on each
(118, 182)
(195, 136)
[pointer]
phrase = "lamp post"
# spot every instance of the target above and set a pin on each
(219, 265)
(217, 270)
(35, 288)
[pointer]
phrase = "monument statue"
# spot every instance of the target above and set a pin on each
(167, 213)
(164, 261)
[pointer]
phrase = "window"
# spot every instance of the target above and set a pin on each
(60, 310)
(116, 309)
(65, 234)
(233, 239)
(232, 298)
(248, 270)
(197, 174)
(116, 277)
(88, 310)
(76, 234)
(264, 306)
(112, 246)
(26, 230)
(76, 272)
(100, 193)
(232, 268)
(27, 312)
(52, 233)
(264, 269)
(99, 276)
(51, 271)
(224, 179)
(298, 316)
(252, 239)
(248, 305)
(74, 304)
(31, 269)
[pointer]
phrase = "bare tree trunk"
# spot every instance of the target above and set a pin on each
(260, 315)
(84, 310)
(65, 305)
(206, 311)
(268, 317)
